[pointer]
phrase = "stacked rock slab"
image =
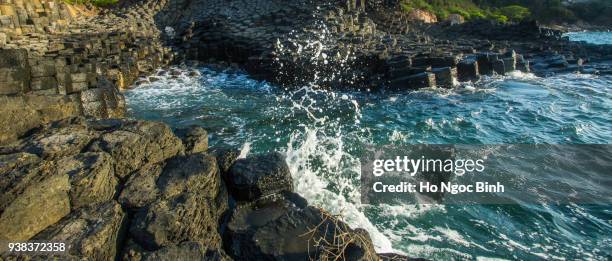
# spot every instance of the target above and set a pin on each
(59, 54)
(348, 43)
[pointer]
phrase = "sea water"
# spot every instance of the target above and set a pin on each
(323, 134)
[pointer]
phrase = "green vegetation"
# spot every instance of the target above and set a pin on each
(468, 9)
(443, 8)
(558, 11)
(99, 3)
(546, 11)
(515, 12)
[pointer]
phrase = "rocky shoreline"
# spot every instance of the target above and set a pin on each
(73, 170)
(133, 190)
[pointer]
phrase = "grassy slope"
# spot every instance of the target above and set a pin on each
(443, 8)
(547, 11)
(99, 3)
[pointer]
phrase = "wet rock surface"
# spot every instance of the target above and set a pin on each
(259, 176)
(283, 227)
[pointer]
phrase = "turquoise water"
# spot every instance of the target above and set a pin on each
(591, 37)
(323, 134)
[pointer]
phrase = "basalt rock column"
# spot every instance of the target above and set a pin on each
(467, 70)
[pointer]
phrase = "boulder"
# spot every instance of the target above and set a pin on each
(485, 63)
(522, 64)
(191, 203)
(140, 189)
(283, 227)
(92, 178)
(53, 143)
(422, 16)
(132, 144)
(93, 233)
(499, 67)
(33, 196)
(225, 158)
(184, 251)
(26, 112)
(259, 176)
(455, 19)
(105, 101)
(195, 139)
(510, 58)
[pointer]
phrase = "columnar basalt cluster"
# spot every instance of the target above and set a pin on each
(60, 61)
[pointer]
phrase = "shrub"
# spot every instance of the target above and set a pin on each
(465, 14)
(410, 5)
(515, 12)
(100, 3)
(498, 17)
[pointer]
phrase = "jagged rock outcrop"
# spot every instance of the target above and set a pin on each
(259, 176)
(190, 205)
(24, 178)
(195, 139)
(93, 232)
(284, 227)
(170, 203)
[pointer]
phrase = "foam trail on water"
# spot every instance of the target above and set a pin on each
(302, 148)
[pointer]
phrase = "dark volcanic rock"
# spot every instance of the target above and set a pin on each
(413, 82)
(259, 176)
(445, 77)
(225, 158)
(92, 178)
(191, 203)
(33, 195)
(467, 70)
(194, 138)
(183, 251)
(93, 233)
(140, 189)
(136, 143)
(283, 227)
